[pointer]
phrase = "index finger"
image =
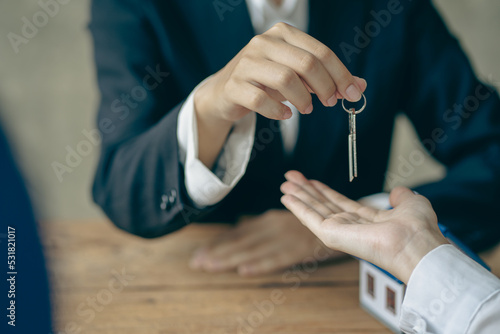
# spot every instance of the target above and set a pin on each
(306, 214)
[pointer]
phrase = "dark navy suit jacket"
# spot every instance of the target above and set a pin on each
(24, 277)
(412, 64)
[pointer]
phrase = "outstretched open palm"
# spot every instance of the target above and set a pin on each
(395, 239)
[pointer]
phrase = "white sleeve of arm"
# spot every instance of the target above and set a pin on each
(206, 187)
(450, 293)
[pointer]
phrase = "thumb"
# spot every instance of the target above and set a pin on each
(399, 195)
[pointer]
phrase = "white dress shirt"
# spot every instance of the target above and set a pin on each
(447, 292)
(450, 293)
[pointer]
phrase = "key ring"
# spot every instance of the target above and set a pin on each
(357, 111)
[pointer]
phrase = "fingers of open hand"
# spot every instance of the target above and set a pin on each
(335, 232)
(310, 197)
(299, 179)
(238, 257)
(341, 201)
(413, 211)
(403, 195)
(265, 253)
(399, 195)
(267, 264)
(228, 249)
(305, 213)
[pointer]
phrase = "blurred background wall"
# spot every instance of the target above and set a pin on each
(48, 97)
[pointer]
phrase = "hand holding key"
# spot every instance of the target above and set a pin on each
(282, 64)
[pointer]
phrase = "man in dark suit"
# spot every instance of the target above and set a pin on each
(194, 128)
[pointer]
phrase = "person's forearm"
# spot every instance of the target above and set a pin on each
(421, 244)
(212, 131)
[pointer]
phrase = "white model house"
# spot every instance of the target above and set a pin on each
(381, 294)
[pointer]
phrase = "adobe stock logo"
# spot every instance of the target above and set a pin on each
(30, 28)
(121, 107)
(74, 157)
(221, 7)
(89, 309)
(372, 29)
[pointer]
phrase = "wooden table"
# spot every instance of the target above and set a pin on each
(158, 293)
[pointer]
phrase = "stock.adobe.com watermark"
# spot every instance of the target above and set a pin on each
(88, 309)
(30, 26)
(451, 120)
(121, 107)
(223, 6)
(265, 308)
(448, 295)
(363, 35)
(12, 275)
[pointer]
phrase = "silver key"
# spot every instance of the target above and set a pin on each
(353, 161)
(353, 154)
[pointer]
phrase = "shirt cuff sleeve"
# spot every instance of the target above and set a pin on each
(445, 292)
(206, 187)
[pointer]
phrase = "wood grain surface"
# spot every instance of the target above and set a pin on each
(107, 281)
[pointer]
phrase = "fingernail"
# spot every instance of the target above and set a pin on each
(309, 109)
(332, 101)
(287, 114)
(353, 93)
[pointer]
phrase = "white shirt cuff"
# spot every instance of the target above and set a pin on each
(446, 292)
(203, 186)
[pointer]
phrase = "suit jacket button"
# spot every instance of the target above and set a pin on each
(168, 201)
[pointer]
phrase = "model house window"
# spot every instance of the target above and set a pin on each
(390, 300)
(370, 287)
